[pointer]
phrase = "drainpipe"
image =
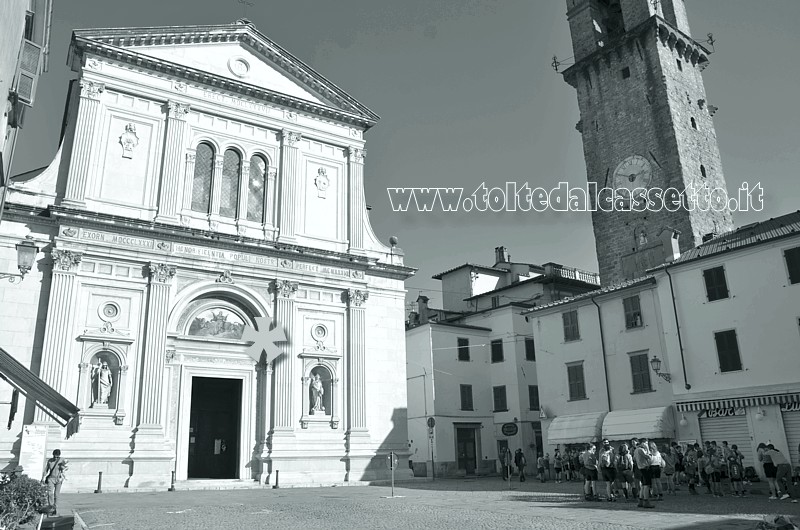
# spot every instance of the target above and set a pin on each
(678, 327)
(603, 347)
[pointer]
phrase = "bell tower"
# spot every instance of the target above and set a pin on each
(646, 125)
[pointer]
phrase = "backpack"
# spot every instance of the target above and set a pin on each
(736, 471)
(54, 470)
(605, 459)
(623, 463)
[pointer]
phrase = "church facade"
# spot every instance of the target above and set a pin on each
(207, 178)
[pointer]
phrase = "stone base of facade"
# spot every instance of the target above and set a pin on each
(152, 459)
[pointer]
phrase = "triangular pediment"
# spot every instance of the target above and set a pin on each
(234, 55)
(234, 61)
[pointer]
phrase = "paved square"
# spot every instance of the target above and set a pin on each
(446, 504)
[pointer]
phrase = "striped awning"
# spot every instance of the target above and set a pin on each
(750, 401)
(46, 397)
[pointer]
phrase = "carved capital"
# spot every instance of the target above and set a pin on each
(123, 369)
(83, 367)
(65, 260)
(272, 173)
(169, 355)
(290, 137)
(284, 288)
(356, 155)
(177, 110)
(91, 90)
(356, 297)
(191, 157)
(161, 272)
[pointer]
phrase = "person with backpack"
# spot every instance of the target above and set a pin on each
(736, 473)
(669, 460)
(642, 458)
(540, 468)
(53, 478)
(589, 459)
(607, 468)
(624, 466)
(690, 468)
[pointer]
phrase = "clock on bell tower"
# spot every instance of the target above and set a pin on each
(645, 124)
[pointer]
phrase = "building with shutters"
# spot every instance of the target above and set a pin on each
(206, 178)
(24, 56)
(472, 365)
(720, 324)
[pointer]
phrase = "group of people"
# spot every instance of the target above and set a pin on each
(643, 472)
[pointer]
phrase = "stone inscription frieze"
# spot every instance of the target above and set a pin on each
(217, 255)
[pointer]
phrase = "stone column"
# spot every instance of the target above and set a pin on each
(122, 376)
(83, 145)
(84, 386)
(170, 172)
(269, 216)
(188, 183)
(155, 345)
(357, 205)
(216, 191)
(263, 416)
(244, 191)
(59, 336)
(290, 184)
(356, 361)
(285, 417)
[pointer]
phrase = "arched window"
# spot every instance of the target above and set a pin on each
(229, 195)
(201, 182)
(694, 124)
(257, 189)
(702, 170)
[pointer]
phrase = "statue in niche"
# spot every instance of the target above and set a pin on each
(642, 238)
(316, 395)
(103, 383)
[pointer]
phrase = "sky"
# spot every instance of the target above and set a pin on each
(466, 95)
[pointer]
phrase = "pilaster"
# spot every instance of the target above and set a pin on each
(83, 145)
(155, 345)
(357, 205)
(269, 216)
(289, 180)
(356, 361)
(58, 334)
(170, 171)
(284, 414)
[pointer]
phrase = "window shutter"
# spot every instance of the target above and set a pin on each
(29, 66)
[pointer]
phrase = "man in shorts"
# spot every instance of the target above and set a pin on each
(589, 461)
(642, 458)
(608, 469)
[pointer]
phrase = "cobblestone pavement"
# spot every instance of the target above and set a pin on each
(450, 503)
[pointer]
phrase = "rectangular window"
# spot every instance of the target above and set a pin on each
(728, 351)
(626, 73)
(28, 34)
(577, 387)
(463, 349)
(499, 393)
(533, 396)
(640, 372)
(792, 257)
(530, 349)
(466, 397)
(716, 286)
(497, 351)
(633, 312)
(495, 301)
(571, 331)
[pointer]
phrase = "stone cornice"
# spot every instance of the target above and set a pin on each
(111, 43)
(175, 233)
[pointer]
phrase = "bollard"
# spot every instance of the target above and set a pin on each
(99, 482)
(172, 485)
(276, 480)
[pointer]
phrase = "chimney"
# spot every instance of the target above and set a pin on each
(501, 255)
(669, 239)
(422, 309)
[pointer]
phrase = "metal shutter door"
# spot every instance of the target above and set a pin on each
(791, 424)
(732, 429)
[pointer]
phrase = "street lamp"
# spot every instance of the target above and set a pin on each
(26, 254)
(655, 364)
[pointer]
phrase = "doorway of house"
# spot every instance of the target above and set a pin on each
(467, 450)
(214, 426)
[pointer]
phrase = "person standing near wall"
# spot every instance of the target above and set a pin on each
(53, 478)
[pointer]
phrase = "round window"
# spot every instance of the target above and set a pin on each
(239, 66)
(109, 311)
